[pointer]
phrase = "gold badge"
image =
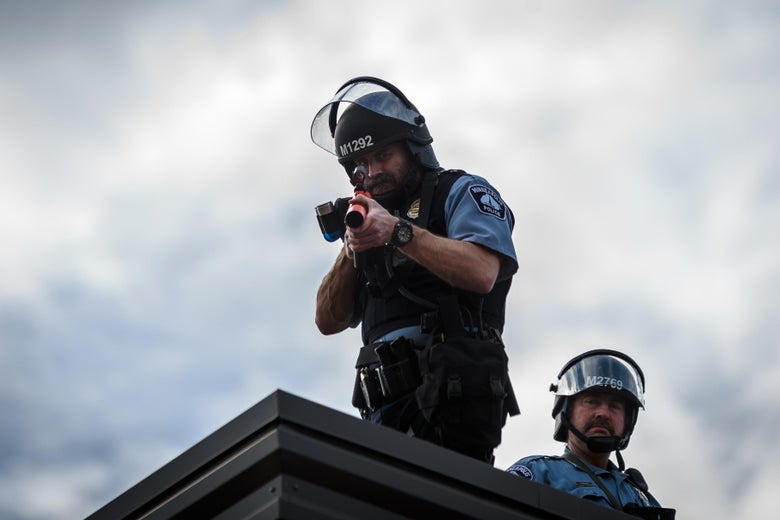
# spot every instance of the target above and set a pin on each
(414, 209)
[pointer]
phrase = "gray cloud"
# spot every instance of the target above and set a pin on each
(161, 255)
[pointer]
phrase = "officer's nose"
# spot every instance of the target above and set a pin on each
(374, 168)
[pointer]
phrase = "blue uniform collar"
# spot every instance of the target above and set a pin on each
(611, 467)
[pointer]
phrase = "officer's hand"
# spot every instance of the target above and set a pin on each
(377, 228)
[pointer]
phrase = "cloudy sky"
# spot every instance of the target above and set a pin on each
(160, 254)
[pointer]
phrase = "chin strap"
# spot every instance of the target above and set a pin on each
(596, 443)
(621, 464)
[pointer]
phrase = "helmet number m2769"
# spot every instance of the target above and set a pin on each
(356, 144)
(610, 382)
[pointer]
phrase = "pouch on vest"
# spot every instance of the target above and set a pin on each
(465, 391)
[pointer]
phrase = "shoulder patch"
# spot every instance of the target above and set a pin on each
(488, 201)
(521, 470)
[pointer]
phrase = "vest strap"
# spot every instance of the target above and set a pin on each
(584, 467)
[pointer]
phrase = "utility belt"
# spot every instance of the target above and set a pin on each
(460, 376)
(460, 384)
(387, 370)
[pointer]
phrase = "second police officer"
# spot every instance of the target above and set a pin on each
(597, 400)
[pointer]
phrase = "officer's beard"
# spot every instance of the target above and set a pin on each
(399, 196)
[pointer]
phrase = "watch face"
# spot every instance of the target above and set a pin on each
(402, 233)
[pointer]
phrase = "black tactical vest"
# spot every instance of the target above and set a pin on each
(390, 278)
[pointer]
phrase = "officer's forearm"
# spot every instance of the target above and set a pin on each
(335, 297)
(464, 265)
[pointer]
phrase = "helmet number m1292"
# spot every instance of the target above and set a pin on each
(356, 144)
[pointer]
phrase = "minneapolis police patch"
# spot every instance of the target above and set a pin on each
(488, 201)
(521, 470)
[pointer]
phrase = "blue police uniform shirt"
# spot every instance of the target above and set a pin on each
(475, 212)
(566, 476)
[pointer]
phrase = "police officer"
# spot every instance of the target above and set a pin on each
(431, 239)
(597, 401)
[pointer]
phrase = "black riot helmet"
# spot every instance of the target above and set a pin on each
(599, 370)
(367, 113)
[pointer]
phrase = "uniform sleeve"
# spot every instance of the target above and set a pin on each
(475, 212)
(559, 474)
(532, 468)
(520, 470)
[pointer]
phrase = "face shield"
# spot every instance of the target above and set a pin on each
(374, 96)
(605, 372)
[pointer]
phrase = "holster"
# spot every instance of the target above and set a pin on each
(385, 371)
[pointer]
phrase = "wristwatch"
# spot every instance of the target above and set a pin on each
(402, 233)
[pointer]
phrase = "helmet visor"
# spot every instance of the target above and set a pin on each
(386, 104)
(602, 373)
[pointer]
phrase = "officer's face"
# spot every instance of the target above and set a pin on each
(598, 414)
(386, 168)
